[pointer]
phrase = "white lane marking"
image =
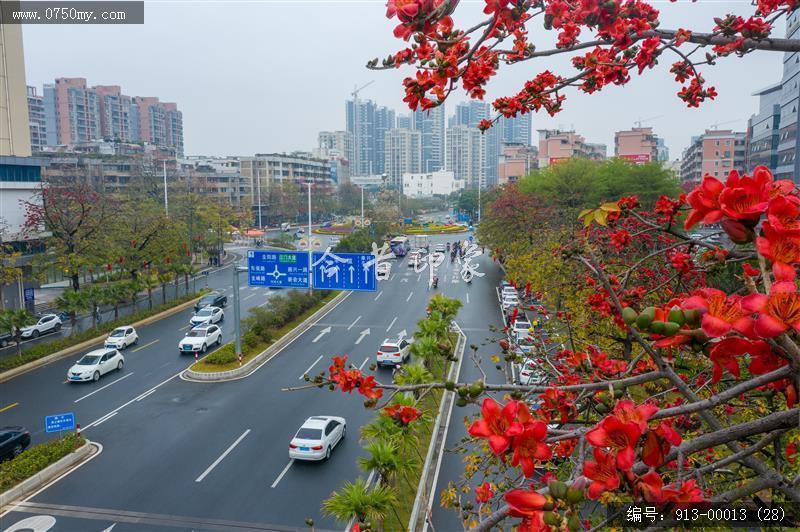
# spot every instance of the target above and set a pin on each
(184, 328)
(103, 388)
(392, 276)
(103, 420)
(134, 399)
(363, 334)
(264, 303)
(409, 296)
(379, 295)
(145, 394)
(363, 363)
(248, 297)
(322, 333)
(285, 469)
(145, 345)
(419, 277)
(391, 324)
(354, 322)
(467, 298)
(222, 456)
(309, 368)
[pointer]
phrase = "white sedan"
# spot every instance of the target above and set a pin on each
(199, 339)
(207, 315)
(122, 337)
(382, 270)
(95, 364)
(47, 323)
(316, 438)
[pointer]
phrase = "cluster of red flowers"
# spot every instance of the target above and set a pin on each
(351, 379)
(402, 415)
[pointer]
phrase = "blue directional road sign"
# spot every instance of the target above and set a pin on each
(344, 271)
(59, 422)
(277, 269)
(29, 294)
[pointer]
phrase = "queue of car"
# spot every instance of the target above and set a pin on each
(521, 331)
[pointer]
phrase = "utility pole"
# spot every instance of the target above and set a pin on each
(258, 189)
(166, 199)
(236, 313)
(310, 269)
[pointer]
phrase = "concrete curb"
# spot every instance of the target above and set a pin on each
(69, 351)
(423, 503)
(269, 352)
(43, 477)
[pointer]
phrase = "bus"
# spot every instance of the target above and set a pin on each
(400, 246)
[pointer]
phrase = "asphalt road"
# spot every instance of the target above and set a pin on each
(181, 455)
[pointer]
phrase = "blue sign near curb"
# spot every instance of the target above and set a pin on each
(277, 269)
(59, 422)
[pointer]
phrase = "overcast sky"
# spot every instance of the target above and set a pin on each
(266, 76)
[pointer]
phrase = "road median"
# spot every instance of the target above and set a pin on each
(273, 349)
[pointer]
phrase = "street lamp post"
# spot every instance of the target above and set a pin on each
(308, 239)
(362, 205)
(258, 191)
(236, 313)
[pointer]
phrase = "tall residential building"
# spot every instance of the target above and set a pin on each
(36, 117)
(517, 130)
(788, 166)
(15, 135)
(470, 114)
(716, 153)
(662, 150)
(340, 141)
(763, 130)
(116, 116)
(466, 155)
(638, 145)
(77, 111)
(516, 161)
(368, 124)
(556, 145)
(430, 123)
(403, 154)
(384, 121)
(404, 122)
(160, 123)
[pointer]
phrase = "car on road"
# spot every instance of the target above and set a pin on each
(531, 374)
(394, 351)
(207, 315)
(13, 440)
(523, 342)
(214, 299)
(200, 338)
(520, 325)
(510, 301)
(317, 437)
(122, 337)
(382, 270)
(509, 290)
(47, 323)
(285, 226)
(5, 339)
(421, 252)
(440, 248)
(95, 364)
(414, 259)
(299, 233)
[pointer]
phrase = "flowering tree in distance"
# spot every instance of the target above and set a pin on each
(607, 40)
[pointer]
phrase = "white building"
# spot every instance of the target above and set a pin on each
(431, 184)
(466, 155)
(403, 154)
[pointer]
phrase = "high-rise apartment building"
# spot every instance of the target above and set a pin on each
(470, 114)
(556, 145)
(116, 116)
(77, 111)
(340, 141)
(764, 129)
(403, 154)
(466, 155)
(788, 166)
(516, 130)
(404, 122)
(364, 122)
(638, 145)
(384, 121)
(36, 117)
(430, 123)
(715, 153)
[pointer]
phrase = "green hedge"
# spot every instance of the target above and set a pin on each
(224, 355)
(36, 458)
(42, 350)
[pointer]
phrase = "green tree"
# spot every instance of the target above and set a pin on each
(13, 321)
(73, 302)
(357, 500)
(149, 282)
(385, 459)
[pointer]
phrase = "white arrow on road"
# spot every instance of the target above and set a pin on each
(322, 333)
(402, 334)
(363, 334)
(352, 269)
(403, 280)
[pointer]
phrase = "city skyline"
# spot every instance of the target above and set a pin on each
(287, 115)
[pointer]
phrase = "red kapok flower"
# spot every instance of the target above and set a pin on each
(650, 486)
(529, 447)
(688, 491)
(704, 201)
(402, 414)
(777, 312)
(763, 359)
(619, 435)
(783, 249)
(483, 493)
(602, 472)
(367, 388)
(746, 197)
(658, 442)
(626, 410)
(498, 425)
(784, 214)
(721, 313)
(524, 503)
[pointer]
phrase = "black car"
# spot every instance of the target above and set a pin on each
(213, 299)
(13, 440)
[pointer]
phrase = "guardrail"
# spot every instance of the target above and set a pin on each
(420, 513)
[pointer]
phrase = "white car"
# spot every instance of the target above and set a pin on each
(510, 301)
(382, 270)
(509, 291)
(521, 325)
(95, 364)
(394, 351)
(414, 259)
(47, 323)
(122, 337)
(199, 339)
(206, 316)
(523, 342)
(530, 374)
(316, 438)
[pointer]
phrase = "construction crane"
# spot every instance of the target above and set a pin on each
(641, 120)
(356, 129)
(358, 89)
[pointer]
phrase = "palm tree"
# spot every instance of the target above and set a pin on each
(14, 320)
(357, 501)
(132, 289)
(94, 294)
(411, 374)
(385, 459)
(163, 278)
(446, 306)
(113, 295)
(425, 348)
(149, 282)
(73, 302)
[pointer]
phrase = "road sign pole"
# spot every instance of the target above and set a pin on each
(236, 314)
(310, 271)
